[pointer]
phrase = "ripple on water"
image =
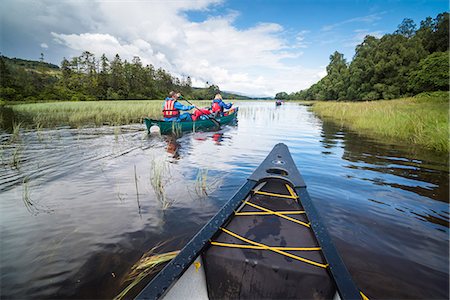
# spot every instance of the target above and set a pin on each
(87, 208)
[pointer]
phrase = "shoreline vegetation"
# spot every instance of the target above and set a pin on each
(85, 113)
(420, 120)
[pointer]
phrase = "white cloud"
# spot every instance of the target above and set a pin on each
(44, 45)
(248, 60)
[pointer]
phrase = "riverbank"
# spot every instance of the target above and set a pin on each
(84, 113)
(421, 120)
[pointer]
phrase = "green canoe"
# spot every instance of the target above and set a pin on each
(168, 127)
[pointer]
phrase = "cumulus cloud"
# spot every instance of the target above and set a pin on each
(248, 60)
(44, 45)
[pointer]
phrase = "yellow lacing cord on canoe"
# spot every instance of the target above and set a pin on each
(291, 195)
(291, 191)
(278, 214)
(274, 194)
(262, 213)
(262, 248)
(274, 249)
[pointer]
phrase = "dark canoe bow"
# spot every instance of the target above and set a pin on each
(168, 127)
(267, 241)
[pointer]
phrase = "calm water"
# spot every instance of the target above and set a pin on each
(78, 208)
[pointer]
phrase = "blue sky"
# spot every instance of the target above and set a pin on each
(257, 47)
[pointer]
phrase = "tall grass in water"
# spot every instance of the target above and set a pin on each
(147, 265)
(205, 184)
(421, 120)
(201, 182)
(137, 190)
(39, 128)
(15, 136)
(77, 114)
(16, 155)
(158, 179)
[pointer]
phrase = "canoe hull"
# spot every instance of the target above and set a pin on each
(173, 127)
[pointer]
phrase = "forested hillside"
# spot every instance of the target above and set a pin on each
(406, 62)
(86, 77)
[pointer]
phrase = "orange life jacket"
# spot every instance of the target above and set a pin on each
(169, 110)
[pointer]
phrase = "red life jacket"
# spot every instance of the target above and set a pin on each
(199, 112)
(169, 110)
(216, 107)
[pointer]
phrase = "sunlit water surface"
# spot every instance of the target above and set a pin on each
(78, 208)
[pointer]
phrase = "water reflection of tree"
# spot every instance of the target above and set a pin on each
(400, 159)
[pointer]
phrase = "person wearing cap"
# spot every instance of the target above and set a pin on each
(218, 105)
(172, 108)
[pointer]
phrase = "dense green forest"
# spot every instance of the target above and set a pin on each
(406, 62)
(88, 78)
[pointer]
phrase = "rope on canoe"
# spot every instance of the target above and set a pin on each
(278, 214)
(275, 195)
(291, 195)
(241, 246)
(262, 213)
(265, 247)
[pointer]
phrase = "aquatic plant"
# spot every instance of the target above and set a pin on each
(200, 183)
(15, 136)
(137, 190)
(117, 131)
(16, 154)
(421, 120)
(78, 114)
(39, 128)
(147, 265)
(176, 129)
(205, 184)
(158, 180)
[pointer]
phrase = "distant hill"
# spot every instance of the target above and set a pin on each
(234, 95)
(225, 95)
(229, 95)
(29, 64)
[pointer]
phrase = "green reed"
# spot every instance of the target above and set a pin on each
(421, 120)
(201, 182)
(205, 184)
(39, 128)
(15, 136)
(158, 180)
(117, 132)
(149, 263)
(78, 114)
(15, 158)
(137, 190)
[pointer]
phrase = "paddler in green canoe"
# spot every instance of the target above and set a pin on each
(172, 108)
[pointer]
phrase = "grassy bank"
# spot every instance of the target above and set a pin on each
(421, 120)
(77, 114)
